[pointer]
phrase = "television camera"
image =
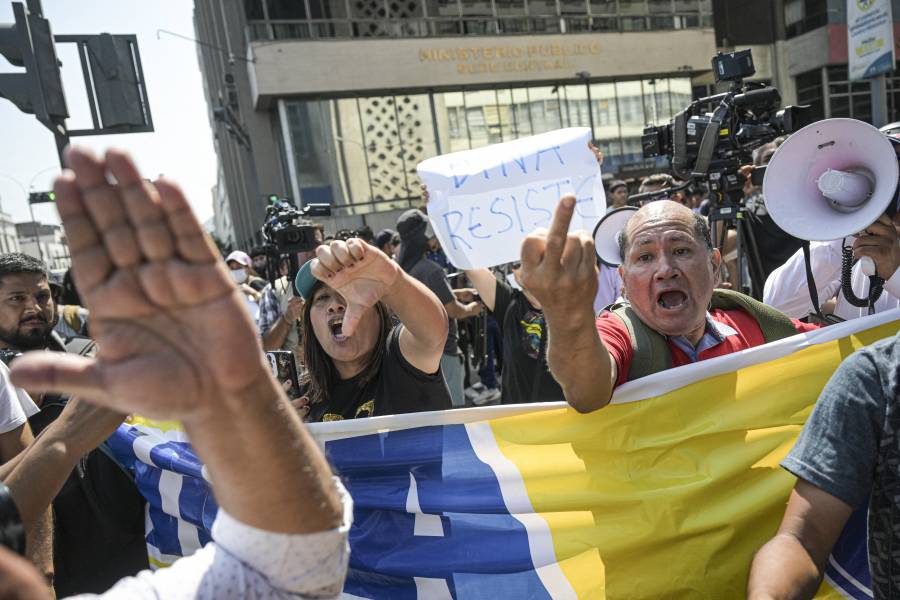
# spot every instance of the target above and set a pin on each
(288, 231)
(712, 147)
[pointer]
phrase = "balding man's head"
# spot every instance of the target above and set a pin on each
(669, 268)
(665, 210)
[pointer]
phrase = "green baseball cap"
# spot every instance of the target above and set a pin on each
(305, 281)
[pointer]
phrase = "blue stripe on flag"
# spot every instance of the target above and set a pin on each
(852, 557)
(469, 525)
(164, 535)
(197, 506)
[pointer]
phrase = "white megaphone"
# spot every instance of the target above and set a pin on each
(606, 235)
(831, 180)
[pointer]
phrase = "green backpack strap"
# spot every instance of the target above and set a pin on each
(775, 325)
(651, 352)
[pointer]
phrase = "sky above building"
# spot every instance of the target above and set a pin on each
(181, 146)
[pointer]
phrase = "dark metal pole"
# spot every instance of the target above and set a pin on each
(37, 236)
(585, 76)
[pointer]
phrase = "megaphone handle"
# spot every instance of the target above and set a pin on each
(868, 266)
(876, 283)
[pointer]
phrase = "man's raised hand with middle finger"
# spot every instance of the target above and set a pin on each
(559, 269)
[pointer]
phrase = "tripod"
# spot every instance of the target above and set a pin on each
(734, 216)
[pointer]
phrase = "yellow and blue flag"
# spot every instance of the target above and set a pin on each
(667, 492)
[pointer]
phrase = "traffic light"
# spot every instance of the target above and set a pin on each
(41, 197)
(29, 43)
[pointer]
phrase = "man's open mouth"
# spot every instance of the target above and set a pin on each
(337, 327)
(672, 299)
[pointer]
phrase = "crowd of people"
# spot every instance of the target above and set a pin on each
(161, 324)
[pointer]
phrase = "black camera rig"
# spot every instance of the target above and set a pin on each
(287, 231)
(700, 144)
(711, 147)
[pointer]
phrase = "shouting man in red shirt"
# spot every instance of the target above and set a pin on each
(673, 314)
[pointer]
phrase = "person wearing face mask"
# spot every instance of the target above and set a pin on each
(359, 363)
(244, 276)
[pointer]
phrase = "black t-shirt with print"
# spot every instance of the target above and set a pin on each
(398, 388)
(524, 349)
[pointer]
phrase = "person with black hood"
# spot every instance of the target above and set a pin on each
(414, 234)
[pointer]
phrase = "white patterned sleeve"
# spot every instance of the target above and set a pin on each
(249, 563)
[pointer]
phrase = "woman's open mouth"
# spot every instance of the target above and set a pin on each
(336, 326)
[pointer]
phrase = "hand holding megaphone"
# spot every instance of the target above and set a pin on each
(879, 245)
(836, 179)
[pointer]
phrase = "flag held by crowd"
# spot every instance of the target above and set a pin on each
(668, 492)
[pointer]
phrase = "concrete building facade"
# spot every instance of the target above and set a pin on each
(803, 44)
(44, 241)
(9, 238)
(336, 101)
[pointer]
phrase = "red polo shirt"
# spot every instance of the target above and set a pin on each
(748, 335)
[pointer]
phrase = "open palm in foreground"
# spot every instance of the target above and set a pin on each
(173, 334)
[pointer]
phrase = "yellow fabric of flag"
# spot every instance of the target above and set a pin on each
(671, 496)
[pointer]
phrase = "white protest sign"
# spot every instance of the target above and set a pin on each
(482, 203)
(870, 38)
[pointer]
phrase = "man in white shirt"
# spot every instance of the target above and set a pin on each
(786, 288)
(158, 294)
(15, 408)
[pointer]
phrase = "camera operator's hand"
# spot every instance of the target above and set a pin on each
(473, 309)
(560, 268)
(294, 309)
(361, 273)
(881, 243)
(465, 294)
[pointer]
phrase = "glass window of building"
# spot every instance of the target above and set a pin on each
(353, 155)
(893, 97)
(452, 127)
(633, 7)
(801, 16)
(602, 7)
(302, 19)
(521, 112)
(309, 127)
(505, 115)
(253, 10)
(810, 91)
(687, 6)
(848, 99)
(573, 7)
